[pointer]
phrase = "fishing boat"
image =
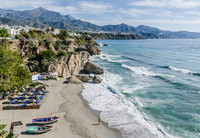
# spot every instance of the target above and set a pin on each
(38, 129)
(46, 120)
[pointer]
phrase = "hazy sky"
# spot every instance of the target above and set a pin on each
(164, 14)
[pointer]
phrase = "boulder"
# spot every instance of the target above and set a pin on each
(92, 68)
(73, 79)
(83, 78)
(97, 79)
(94, 50)
(105, 44)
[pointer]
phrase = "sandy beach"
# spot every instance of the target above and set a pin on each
(64, 100)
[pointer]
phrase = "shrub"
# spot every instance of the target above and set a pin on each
(49, 55)
(31, 57)
(61, 54)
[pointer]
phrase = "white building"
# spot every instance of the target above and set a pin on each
(56, 31)
(35, 76)
(13, 32)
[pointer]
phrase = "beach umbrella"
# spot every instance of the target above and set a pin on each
(29, 93)
(20, 101)
(37, 97)
(19, 93)
(25, 97)
(11, 97)
(32, 100)
(40, 93)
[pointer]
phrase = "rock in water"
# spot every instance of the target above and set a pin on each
(92, 68)
(97, 79)
(73, 79)
(83, 78)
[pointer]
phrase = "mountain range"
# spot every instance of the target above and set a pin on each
(41, 17)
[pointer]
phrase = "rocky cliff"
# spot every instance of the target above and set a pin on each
(70, 64)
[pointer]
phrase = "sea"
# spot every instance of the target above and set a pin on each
(150, 88)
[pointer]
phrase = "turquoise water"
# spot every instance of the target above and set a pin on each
(160, 77)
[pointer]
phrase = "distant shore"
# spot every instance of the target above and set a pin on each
(76, 120)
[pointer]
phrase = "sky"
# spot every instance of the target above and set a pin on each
(174, 15)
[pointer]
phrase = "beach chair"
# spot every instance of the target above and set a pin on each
(14, 102)
(37, 101)
(25, 101)
(43, 93)
(22, 105)
(18, 98)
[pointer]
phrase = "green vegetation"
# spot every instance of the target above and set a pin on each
(46, 55)
(4, 32)
(24, 34)
(61, 54)
(63, 34)
(71, 53)
(34, 84)
(13, 72)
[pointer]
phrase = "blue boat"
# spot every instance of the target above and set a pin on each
(44, 121)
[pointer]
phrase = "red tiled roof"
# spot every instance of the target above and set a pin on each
(34, 73)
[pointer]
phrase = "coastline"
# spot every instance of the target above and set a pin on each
(77, 119)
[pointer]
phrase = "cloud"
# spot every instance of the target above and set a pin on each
(168, 21)
(153, 12)
(24, 4)
(185, 4)
(95, 7)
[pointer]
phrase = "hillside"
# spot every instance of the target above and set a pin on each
(40, 17)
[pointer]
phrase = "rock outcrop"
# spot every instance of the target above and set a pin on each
(91, 49)
(90, 67)
(97, 79)
(73, 64)
(73, 79)
(84, 78)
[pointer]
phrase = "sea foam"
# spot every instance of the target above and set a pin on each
(118, 112)
(181, 70)
(143, 71)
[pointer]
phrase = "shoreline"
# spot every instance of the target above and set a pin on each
(77, 119)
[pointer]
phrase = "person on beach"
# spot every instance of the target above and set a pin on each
(99, 120)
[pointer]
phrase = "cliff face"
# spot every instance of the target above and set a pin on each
(73, 64)
(70, 64)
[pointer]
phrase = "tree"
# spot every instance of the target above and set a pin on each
(48, 55)
(47, 30)
(63, 34)
(4, 32)
(52, 29)
(13, 72)
(25, 34)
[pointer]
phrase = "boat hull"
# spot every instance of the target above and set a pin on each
(35, 130)
(45, 121)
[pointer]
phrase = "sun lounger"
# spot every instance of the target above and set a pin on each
(37, 101)
(43, 93)
(18, 98)
(14, 102)
(25, 101)
(21, 107)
